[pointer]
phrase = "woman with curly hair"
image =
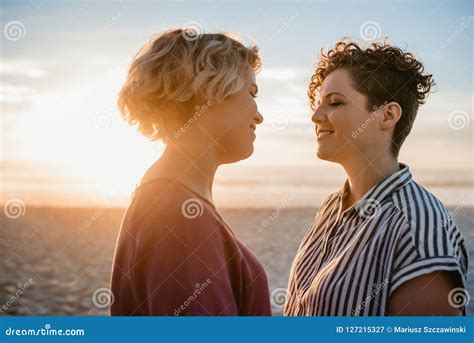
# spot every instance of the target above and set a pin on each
(383, 244)
(175, 254)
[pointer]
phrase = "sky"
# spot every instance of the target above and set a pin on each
(62, 64)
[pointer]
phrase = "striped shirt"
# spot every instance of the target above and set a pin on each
(350, 262)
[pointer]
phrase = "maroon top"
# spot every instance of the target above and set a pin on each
(175, 255)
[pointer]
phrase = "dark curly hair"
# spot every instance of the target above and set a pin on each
(383, 73)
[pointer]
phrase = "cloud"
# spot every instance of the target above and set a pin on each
(23, 68)
(282, 74)
(15, 98)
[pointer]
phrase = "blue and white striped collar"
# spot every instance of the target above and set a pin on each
(372, 200)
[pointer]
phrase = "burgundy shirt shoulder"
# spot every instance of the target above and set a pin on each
(175, 255)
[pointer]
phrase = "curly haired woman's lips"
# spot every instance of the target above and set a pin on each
(320, 133)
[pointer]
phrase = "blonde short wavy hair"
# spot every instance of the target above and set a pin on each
(177, 69)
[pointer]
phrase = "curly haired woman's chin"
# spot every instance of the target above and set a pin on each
(196, 92)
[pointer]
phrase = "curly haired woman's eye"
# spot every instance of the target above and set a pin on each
(335, 104)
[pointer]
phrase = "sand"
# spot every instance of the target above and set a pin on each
(54, 259)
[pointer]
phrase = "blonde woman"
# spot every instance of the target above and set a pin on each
(175, 254)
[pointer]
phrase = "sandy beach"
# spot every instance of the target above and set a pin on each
(54, 259)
